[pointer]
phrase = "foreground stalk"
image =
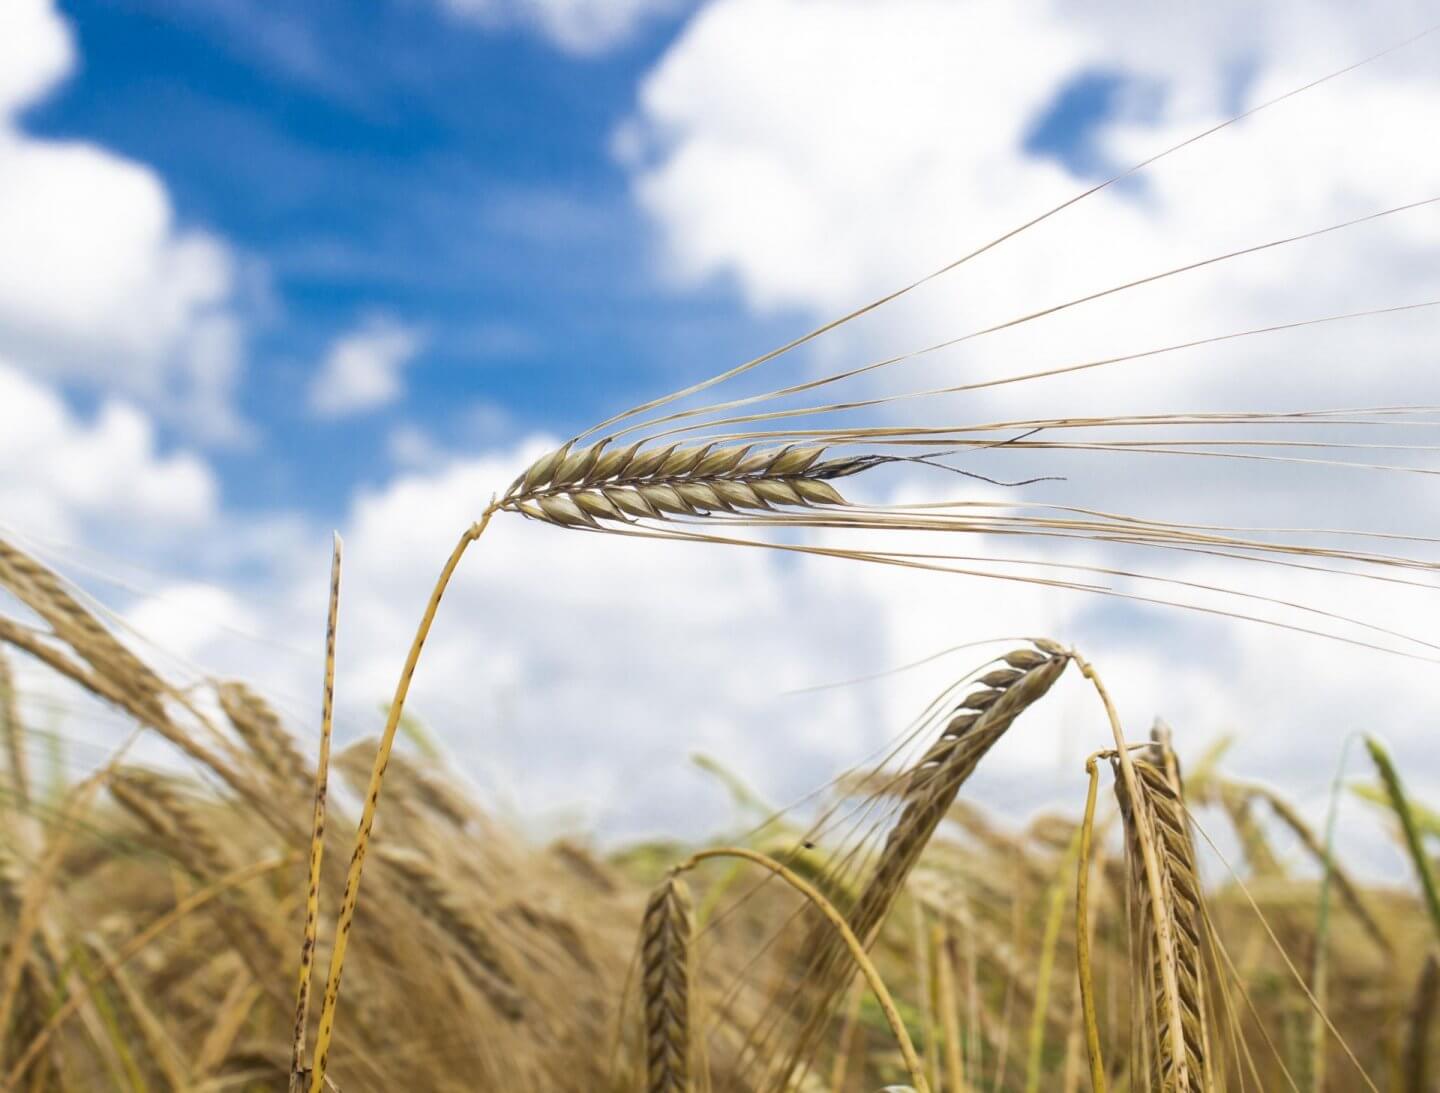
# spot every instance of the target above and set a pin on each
(351, 897)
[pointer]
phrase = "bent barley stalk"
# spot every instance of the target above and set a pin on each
(849, 941)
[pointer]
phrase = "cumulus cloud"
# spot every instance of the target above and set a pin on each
(99, 282)
(61, 474)
(577, 26)
(363, 369)
(35, 51)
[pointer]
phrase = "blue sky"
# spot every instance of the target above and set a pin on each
(456, 178)
(405, 244)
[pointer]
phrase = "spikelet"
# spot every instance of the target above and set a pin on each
(665, 939)
(158, 803)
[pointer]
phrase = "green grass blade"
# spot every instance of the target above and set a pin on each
(1400, 805)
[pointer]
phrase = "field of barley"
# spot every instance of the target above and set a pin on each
(204, 889)
(160, 926)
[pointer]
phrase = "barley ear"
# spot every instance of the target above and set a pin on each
(1151, 892)
(667, 933)
(317, 830)
(1169, 955)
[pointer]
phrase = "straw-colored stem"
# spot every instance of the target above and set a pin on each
(862, 960)
(1400, 804)
(1050, 940)
(1160, 921)
(351, 896)
(925, 991)
(845, 1046)
(1321, 969)
(317, 830)
(138, 942)
(949, 1009)
(1082, 933)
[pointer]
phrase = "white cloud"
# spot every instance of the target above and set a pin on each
(99, 284)
(577, 26)
(60, 474)
(362, 369)
(35, 51)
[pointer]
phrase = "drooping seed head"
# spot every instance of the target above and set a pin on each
(588, 487)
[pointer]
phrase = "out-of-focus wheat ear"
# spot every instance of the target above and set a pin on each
(1082, 933)
(1400, 805)
(665, 958)
(225, 1025)
(1422, 1016)
(45, 594)
(267, 739)
(1344, 883)
(350, 898)
(14, 734)
(317, 828)
(1237, 801)
(39, 883)
(436, 898)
